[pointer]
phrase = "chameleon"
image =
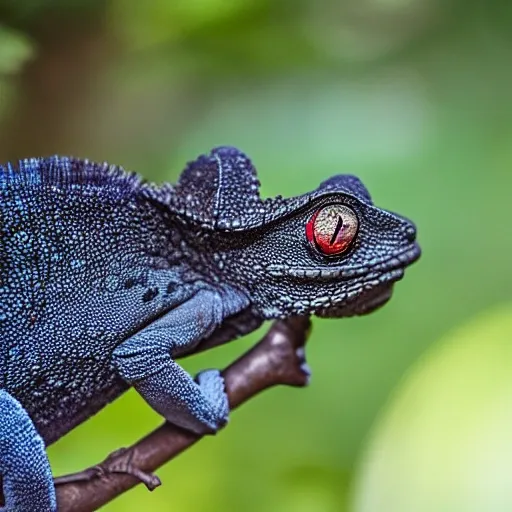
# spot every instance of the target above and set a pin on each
(106, 279)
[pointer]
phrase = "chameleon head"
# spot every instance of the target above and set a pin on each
(333, 231)
(333, 253)
(329, 252)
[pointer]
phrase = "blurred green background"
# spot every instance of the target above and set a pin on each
(413, 96)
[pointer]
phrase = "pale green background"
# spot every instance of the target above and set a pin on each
(413, 96)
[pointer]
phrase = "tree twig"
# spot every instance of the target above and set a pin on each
(277, 359)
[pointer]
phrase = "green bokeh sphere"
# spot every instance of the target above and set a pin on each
(444, 444)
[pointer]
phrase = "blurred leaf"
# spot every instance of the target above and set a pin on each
(222, 38)
(444, 442)
(146, 24)
(15, 50)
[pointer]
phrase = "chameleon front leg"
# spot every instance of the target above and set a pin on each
(145, 361)
(24, 466)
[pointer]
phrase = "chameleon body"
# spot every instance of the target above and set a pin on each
(105, 280)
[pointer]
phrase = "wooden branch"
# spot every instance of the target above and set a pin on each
(277, 359)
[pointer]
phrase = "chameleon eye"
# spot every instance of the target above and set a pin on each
(332, 229)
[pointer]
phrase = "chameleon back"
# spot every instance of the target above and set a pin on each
(81, 268)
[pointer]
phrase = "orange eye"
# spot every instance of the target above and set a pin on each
(332, 229)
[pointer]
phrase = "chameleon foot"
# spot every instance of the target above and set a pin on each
(116, 462)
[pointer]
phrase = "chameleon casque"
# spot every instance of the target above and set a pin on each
(105, 280)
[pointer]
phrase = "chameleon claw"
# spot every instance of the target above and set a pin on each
(150, 480)
(114, 463)
(124, 465)
(117, 463)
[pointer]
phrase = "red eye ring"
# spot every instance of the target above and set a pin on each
(332, 229)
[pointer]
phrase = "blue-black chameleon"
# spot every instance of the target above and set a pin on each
(105, 280)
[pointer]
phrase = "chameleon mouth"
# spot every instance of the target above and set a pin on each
(381, 269)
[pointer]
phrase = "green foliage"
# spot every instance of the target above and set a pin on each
(15, 51)
(162, 21)
(444, 441)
